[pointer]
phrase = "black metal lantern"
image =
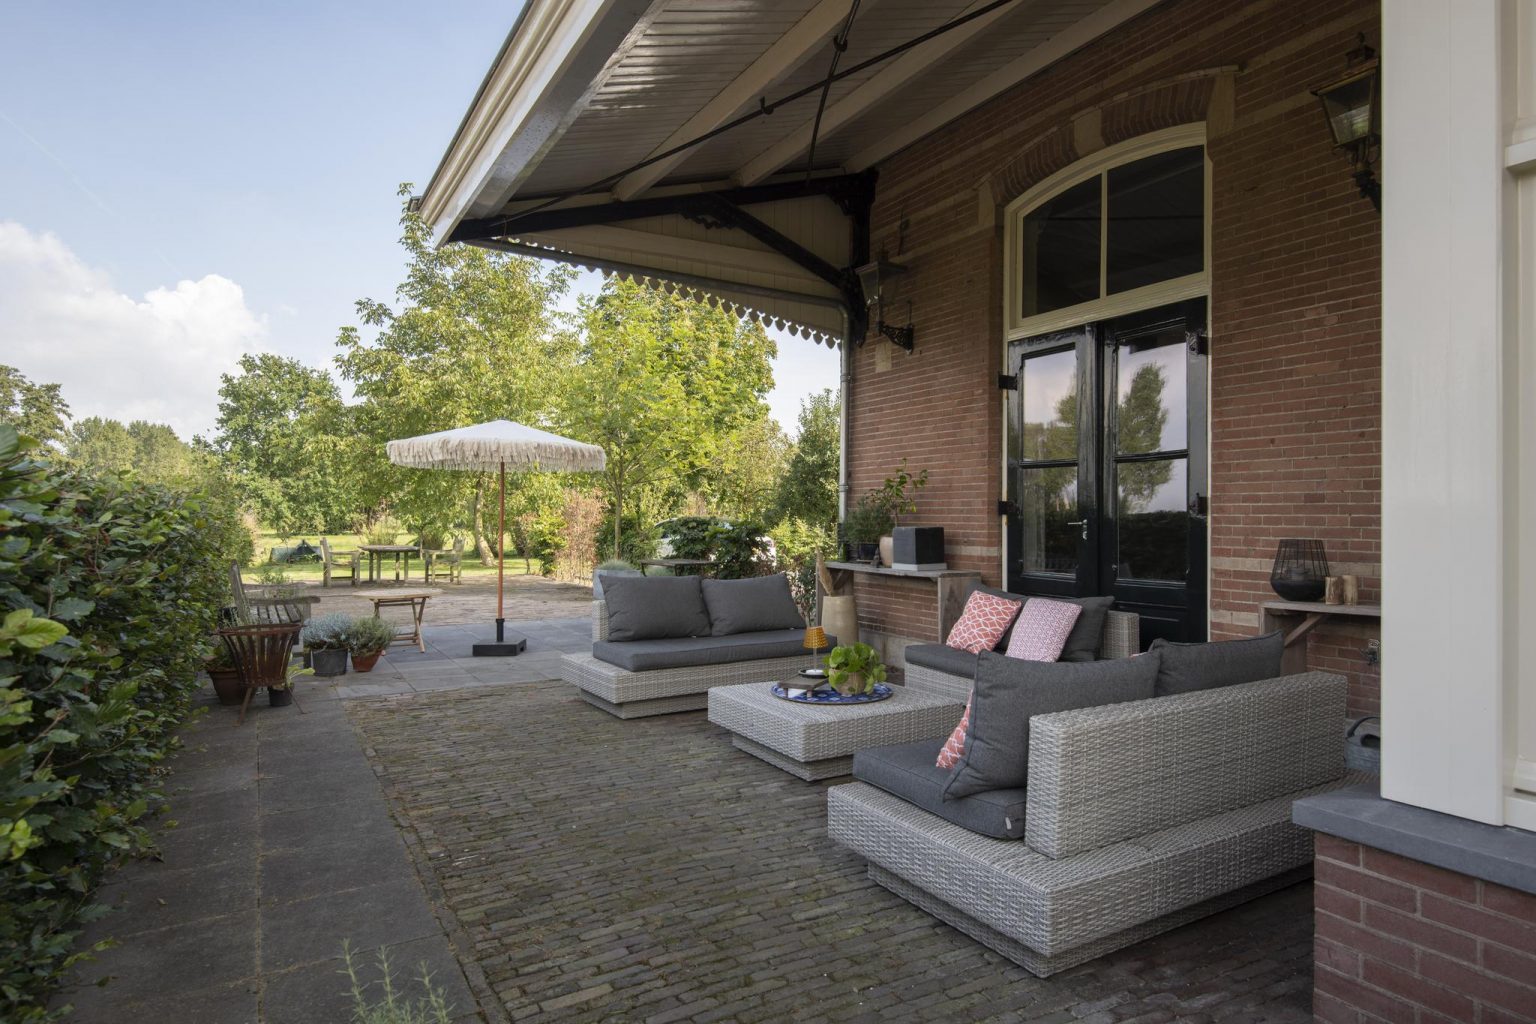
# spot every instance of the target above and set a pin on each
(1352, 107)
(1300, 572)
(873, 278)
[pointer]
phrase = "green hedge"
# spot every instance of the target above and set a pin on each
(109, 589)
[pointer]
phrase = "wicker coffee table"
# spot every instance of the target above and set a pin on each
(814, 741)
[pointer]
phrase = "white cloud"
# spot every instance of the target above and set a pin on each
(157, 358)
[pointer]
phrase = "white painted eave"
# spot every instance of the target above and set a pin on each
(546, 72)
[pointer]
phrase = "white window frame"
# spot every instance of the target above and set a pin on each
(1191, 286)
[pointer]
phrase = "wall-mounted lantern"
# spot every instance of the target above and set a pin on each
(1352, 106)
(873, 277)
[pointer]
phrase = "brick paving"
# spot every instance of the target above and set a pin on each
(602, 870)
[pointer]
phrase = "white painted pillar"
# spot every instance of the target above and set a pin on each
(1447, 412)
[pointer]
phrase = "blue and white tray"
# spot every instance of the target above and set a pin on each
(798, 695)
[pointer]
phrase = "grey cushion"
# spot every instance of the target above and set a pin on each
(751, 605)
(1185, 668)
(650, 607)
(907, 771)
(942, 658)
(645, 655)
(1008, 692)
(1087, 634)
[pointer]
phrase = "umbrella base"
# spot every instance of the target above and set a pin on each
(503, 646)
(503, 649)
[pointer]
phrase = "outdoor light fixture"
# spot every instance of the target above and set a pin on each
(872, 278)
(1352, 106)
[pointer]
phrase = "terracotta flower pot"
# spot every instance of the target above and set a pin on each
(226, 685)
(365, 662)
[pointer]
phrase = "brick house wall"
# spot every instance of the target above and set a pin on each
(1401, 941)
(1295, 301)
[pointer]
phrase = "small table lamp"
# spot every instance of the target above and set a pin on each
(815, 639)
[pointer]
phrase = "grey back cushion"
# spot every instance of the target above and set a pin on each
(651, 607)
(751, 605)
(1087, 634)
(1008, 692)
(1189, 667)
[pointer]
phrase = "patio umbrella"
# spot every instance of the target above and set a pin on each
(497, 446)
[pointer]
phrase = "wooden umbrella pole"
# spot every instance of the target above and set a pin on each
(501, 550)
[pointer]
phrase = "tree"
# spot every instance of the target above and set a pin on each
(285, 435)
(37, 410)
(663, 384)
(808, 489)
(100, 445)
(473, 339)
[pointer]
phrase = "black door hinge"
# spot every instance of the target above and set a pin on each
(1007, 382)
(1200, 506)
(1008, 508)
(1199, 342)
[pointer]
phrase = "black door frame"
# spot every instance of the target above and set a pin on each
(1095, 347)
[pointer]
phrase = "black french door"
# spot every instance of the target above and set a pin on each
(1107, 466)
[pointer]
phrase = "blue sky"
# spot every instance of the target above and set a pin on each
(181, 182)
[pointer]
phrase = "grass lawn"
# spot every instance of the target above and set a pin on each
(305, 571)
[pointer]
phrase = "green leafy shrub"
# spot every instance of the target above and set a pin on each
(738, 550)
(368, 635)
(109, 593)
(328, 632)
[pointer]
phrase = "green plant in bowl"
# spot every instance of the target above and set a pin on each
(854, 669)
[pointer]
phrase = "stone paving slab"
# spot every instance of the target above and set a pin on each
(609, 870)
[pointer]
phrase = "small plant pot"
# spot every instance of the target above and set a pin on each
(227, 685)
(852, 685)
(279, 698)
(365, 662)
(332, 661)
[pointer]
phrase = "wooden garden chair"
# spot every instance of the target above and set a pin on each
(445, 564)
(258, 609)
(341, 564)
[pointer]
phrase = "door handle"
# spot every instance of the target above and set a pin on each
(1080, 522)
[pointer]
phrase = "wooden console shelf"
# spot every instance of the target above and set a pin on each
(1298, 618)
(950, 584)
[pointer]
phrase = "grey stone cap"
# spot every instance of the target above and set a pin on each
(1359, 814)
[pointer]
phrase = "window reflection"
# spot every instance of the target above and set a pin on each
(1048, 393)
(1149, 390)
(1156, 220)
(1047, 499)
(1153, 520)
(1060, 250)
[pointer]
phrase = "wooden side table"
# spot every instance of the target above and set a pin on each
(416, 602)
(1298, 618)
(950, 586)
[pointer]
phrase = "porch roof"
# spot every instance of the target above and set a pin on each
(580, 144)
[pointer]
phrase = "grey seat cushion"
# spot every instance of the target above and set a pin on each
(751, 605)
(1008, 692)
(674, 652)
(1184, 668)
(652, 607)
(942, 658)
(907, 771)
(1087, 634)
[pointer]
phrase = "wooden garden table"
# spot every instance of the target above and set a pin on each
(416, 601)
(376, 553)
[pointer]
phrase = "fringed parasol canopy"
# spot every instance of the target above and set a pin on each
(497, 445)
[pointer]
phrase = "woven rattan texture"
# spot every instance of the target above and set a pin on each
(806, 732)
(1101, 775)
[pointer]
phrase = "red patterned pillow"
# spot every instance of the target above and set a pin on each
(1042, 629)
(983, 623)
(954, 747)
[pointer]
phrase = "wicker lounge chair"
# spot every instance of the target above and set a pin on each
(1139, 817)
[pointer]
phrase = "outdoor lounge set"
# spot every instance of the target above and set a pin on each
(1087, 799)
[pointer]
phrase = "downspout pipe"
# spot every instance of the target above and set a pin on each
(844, 403)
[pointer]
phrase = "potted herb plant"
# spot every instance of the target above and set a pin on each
(224, 673)
(854, 669)
(325, 638)
(367, 639)
(863, 525)
(892, 497)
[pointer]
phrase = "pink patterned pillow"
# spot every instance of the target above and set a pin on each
(954, 747)
(1042, 629)
(983, 623)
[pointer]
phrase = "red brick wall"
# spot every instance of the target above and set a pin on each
(1295, 382)
(1407, 943)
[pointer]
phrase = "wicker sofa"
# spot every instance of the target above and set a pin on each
(1137, 817)
(605, 680)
